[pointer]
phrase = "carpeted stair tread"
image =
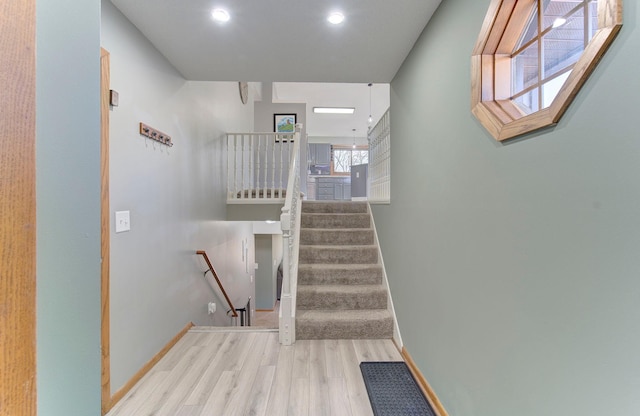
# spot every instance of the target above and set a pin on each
(336, 236)
(313, 220)
(338, 297)
(340, 292)
(344, 324)
(338, 254)
(334, 207)
(339, 274)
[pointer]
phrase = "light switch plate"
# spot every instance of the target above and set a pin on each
(114, 98)
(123, 221)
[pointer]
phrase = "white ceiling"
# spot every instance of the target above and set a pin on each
(291, 41)
(282, 40)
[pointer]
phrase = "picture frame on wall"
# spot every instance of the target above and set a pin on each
(285, 124)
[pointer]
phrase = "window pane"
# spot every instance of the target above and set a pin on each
(564, 45)
(555, 9)
(531, 30)
(550, 89)
(342, 161)
(360, 157)
(593, 18)
(528, 102)
(525, 69)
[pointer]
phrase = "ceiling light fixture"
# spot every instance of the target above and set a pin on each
(335, 18)
(220, 15)
(333, 110)
(370, 119)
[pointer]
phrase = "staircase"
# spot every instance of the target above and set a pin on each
(340, 291)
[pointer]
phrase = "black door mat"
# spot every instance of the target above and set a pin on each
(392, 390)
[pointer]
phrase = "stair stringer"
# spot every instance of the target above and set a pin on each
(397, 338)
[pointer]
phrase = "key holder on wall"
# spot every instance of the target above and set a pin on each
(156, 135)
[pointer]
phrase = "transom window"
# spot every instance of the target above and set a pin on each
(533, 56)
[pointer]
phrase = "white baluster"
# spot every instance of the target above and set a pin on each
(260, 166)
(235, 166)
(274, 172)
(245, 162)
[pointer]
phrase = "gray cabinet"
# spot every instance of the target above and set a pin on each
(337, 190)
(325, 188)
(319, 154)
(311, 155)
(323, 155)
(346, 192)
(333, 189)
(311, 189)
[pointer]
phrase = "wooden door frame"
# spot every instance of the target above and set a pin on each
(104, 230)
(18, 395)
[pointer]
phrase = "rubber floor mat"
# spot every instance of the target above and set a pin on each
(392, 389)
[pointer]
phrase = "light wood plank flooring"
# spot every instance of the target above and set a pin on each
(267, 319)
(211, 372)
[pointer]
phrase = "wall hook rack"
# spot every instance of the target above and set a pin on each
(156, 135)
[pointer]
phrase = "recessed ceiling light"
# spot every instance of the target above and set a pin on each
(336, 18)
(270, 221)
(333, 110)
(220, 15)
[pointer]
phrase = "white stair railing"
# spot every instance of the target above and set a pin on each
(380, 160)
(290, 224)
(258, 166)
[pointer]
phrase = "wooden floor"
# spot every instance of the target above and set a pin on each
(250, 373)
(267, 319)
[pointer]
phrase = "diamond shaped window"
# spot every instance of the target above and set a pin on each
(532, 57)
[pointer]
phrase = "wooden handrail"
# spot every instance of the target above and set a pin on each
(215, 275)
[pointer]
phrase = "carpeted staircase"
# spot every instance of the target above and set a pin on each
(340, 290)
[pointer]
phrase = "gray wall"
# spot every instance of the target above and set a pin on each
(343, 141)
(68, 207)
(176, 197)
(263, 122)
(265, 279)
(254, 212)
(268, 256)
(514, 267)
(277, 253)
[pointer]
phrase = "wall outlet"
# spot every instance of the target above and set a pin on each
(211, 308)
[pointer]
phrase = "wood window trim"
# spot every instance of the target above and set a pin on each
(501, 117)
